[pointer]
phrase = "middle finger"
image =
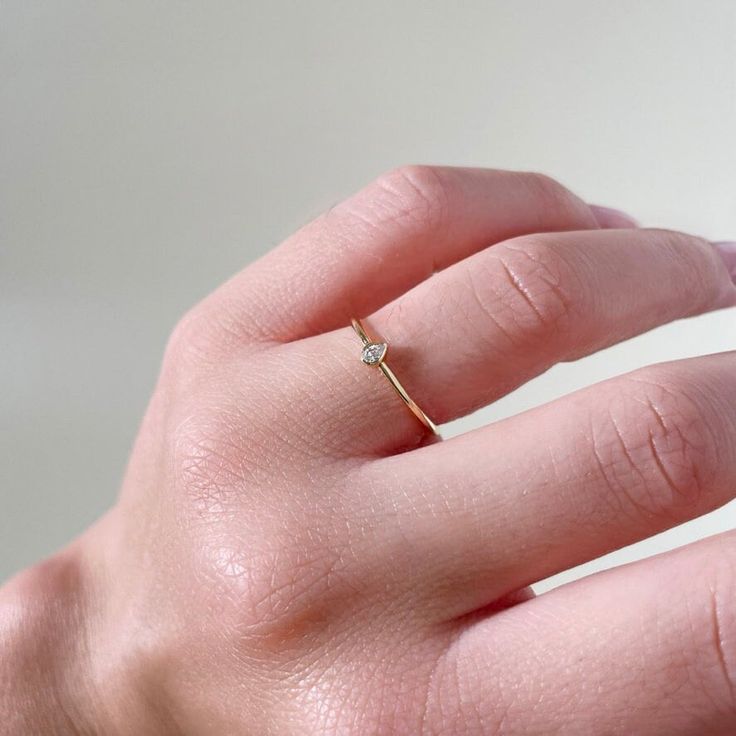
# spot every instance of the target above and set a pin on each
(507, 505)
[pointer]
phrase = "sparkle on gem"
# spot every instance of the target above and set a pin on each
(373, 353)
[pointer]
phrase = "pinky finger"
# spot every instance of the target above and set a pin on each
(645, 649)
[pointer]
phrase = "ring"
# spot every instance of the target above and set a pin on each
(374, 353)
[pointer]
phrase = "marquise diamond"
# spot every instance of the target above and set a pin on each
(373, 353)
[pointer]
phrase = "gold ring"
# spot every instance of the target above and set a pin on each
(374, 353)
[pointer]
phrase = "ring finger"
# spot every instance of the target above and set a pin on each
(486, 325)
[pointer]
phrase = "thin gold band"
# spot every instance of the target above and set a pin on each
(374, 353)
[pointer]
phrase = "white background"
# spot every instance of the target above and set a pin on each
(148, 150)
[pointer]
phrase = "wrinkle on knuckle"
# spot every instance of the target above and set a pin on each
(721, 594)
(531, 290)
(699, 266)
(706, 655)
(654, 453)
(417, 195)
(484, 303)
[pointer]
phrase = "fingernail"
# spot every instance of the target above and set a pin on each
(610, 218)
(726, 249)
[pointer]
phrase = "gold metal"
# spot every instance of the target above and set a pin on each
(374, 353)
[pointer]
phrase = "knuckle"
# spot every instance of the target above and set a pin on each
(544, 184)
(417, 193)
(722, 617)
(289, 564)
(655, 450)
(222, 449)
(552, 197)
(534, 290)
(209, 460)
(701, 270)
(682, 245)
(282, 586)
(705, 586)
(205, 336)
(190, 341)
(304, 583)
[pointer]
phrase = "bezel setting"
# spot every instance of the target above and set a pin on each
(373, 353)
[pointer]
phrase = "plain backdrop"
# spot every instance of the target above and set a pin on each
(148, 150)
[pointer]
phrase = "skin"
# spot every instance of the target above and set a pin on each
(293, 553)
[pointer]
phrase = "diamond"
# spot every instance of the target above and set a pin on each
(373, 353)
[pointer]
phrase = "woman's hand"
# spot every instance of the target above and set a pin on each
(294, 553)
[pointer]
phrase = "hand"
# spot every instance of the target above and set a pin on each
(294, 553)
